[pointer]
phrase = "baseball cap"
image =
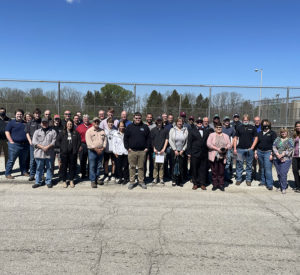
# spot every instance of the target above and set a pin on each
(96, 119)
(182, 114)
(56, 116)
(226, 118)
(236, 115)
(216, 116)
(191, 118)
(44, 119)
(158, 118)
(199, 120)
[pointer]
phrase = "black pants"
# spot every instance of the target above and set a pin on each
(68, 162)
(178, 179)
(296, 168)
(122, 170)
(168, 171)
(149, 155)
(83, 156)
(199, 167)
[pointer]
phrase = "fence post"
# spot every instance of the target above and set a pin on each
(209, 102)
(287, 106)
(58, 105)
(134, 105)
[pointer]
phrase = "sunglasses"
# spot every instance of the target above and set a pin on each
(67, 114)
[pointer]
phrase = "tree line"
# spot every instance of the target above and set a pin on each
(110, 95)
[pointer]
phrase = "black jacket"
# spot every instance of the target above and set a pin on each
(197, 144)
(3, 123)
(62, 142)
(137, 137)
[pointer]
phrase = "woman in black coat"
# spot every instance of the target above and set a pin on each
(69, 143)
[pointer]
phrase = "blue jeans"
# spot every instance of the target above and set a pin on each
(40, 168)
(32, 162)
(95, 164)
(17, 150)
(242, 155)
(265, 163)
(282, 169)
(228, 174)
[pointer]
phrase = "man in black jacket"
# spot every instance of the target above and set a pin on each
(3, 141)
(30, 128)
(137, 141)
(198, 153)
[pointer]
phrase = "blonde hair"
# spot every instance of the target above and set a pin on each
(282, 130)
(246, 116)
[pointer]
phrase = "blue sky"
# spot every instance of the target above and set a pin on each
(197, 42)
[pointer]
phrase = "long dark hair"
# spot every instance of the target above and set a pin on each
(65, 131)
(295, 132)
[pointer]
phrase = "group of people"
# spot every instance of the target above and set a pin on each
(162, 148)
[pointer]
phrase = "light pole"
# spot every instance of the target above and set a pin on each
(259, 107)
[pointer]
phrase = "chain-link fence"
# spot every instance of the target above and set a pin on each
(281, 105)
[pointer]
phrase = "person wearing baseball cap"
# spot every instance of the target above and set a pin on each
(216, 120)
(228, 130)
(192, 121)
(44, 141)
(96, 142)
(236, 121)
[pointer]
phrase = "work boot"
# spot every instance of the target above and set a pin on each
(130, 186)
(143, 185)
(93, 184)
(238, 183)
(72, 185)
(248, 183)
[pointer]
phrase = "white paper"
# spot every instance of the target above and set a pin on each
(159, 158)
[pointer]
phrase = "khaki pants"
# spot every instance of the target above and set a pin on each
(158, 169)
(136, 158)
(4, 148)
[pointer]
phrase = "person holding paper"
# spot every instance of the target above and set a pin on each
(159, 139)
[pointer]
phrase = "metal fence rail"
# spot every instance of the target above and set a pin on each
(281, 103)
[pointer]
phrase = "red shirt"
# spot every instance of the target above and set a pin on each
(81, 129)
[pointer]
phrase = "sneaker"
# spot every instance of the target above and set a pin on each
(154, 182)
(93, 184)
(203, 187)
(36, 185)
(214, 188)
(49, 185)
(222, 188)
(72, 185)
(106, 179)
(270, 188)
(31, 178)
(238, 183)
(113, 179)
(143, 185)
(173, 183)
(130, 186)
(248, 183)
(10, 177)
(162, 182)
(25, 174)
(283, 191)
(64, 184)
(229, 180)
(261, 184)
